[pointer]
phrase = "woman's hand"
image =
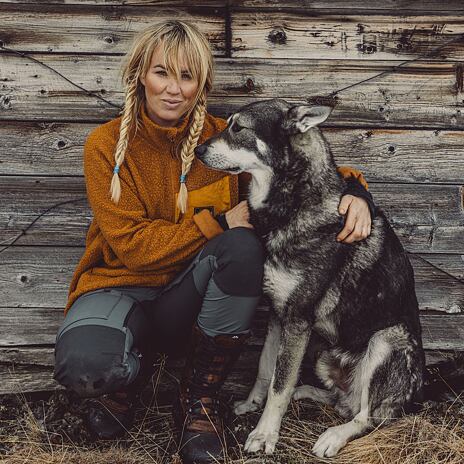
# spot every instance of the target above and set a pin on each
(357, 219)
(239, 216)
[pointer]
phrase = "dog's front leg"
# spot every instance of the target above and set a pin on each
(294, 339)
(266, 368)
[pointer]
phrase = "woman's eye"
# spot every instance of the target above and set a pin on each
(162, 73)
(186, 76)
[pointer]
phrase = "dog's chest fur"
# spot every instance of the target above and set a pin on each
(291, 270)
(279, 284)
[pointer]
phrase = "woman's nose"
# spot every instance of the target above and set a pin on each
(173, 86)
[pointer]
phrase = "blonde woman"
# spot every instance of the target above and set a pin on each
(171, 262)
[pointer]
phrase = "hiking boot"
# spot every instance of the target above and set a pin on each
(112, 415)
(198, 413)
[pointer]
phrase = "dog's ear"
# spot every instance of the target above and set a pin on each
(300, 118)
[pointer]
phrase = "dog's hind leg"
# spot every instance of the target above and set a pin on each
(266, 368)
(382, 396)
(316, 394)
(294, 339)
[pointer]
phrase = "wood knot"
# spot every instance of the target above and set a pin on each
(5, 102)
(367, 48)
(250, 85)
(459, 84)
(278, 36)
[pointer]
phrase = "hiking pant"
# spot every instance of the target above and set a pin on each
(111, 335)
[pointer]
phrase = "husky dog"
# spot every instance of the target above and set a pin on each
(358, 298)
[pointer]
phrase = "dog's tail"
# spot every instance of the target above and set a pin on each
(444, 381)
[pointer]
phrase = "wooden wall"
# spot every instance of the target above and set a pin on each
(405, 131)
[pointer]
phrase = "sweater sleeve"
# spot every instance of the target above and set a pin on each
(356, 185)
(347, 171)
(140, 243)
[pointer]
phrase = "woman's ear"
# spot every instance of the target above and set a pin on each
(142, 80)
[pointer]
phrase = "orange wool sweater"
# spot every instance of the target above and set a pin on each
(142, 240)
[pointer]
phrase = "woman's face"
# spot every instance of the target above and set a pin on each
(167, 99)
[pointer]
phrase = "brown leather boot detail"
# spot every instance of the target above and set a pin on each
(198, 412)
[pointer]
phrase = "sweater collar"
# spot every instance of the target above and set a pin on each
(162, 135)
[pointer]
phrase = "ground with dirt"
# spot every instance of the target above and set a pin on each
(51, 428)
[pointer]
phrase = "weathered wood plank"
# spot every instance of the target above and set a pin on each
(435, 289)
(29, 326)
(147, 3)
(392, 7)
(302, 34)
(31, 369)
(40, 276)
(97, 29)
(383, 155)
(39, 326)
(256, 32)
(443, 332)
(428, 218)
(364, 7)
(19, 379)
(421, 95)
(395, 155)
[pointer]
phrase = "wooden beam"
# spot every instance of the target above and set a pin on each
(383, 155)
(296, 29)
(304, 34)
(102, 29)
(428, 218)
(423, 95)
(25, 370)
(21, 327)
(366, 7)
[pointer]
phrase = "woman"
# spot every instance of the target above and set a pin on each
(171, 256)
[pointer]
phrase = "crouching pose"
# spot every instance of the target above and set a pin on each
(172, 263)
(360, 299)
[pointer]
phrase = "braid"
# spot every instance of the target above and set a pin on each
(127, 121)
(187, 154)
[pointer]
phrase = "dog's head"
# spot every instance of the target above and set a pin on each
(257, 136)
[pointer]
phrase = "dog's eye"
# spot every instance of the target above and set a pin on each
(236, 128)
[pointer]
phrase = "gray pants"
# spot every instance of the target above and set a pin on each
(110, 336)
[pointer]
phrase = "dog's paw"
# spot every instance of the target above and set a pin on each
(330, 442)
(258, 440)
(242, 407)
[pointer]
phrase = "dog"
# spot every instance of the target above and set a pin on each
(358, 298)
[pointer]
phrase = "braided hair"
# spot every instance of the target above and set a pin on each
(175, 36)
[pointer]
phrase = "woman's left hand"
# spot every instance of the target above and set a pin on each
(357, 219)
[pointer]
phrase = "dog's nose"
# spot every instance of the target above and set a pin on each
(200, 150)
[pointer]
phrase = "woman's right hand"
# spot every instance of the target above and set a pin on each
(239, 216)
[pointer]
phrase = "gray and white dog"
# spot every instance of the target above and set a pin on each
(359, 298)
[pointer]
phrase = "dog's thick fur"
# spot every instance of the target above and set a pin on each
(359, 298)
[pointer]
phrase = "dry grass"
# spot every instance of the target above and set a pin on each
(434, 436)
(53, 431)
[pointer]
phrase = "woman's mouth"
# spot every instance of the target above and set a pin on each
(172, 103)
